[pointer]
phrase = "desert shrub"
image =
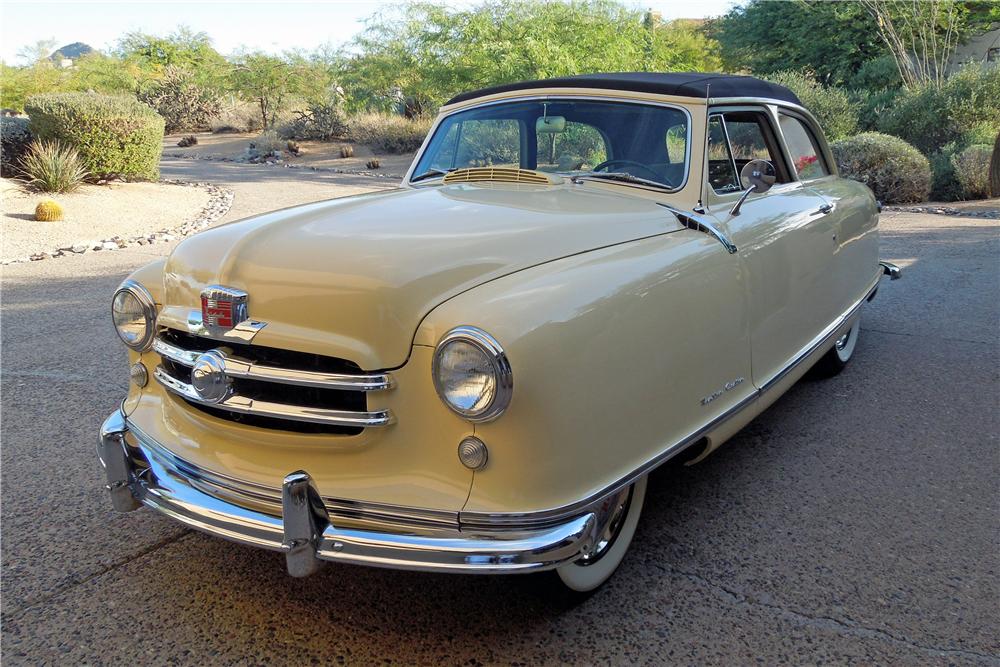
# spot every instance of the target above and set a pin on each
(114, 135)
(51, 167)
(945, 184)
(15, 136)
(929, 117)
(239, 117)
(322, 121)
(183, 103)
(894, 170)
(972, 170)
(48, 210)
(388, 133)
(831, 106)
(267, 142)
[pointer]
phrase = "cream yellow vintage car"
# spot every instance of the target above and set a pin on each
(578, 279)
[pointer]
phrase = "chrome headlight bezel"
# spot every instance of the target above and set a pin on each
(148, 306)
(503, 376)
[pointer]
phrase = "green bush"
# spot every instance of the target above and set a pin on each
(182, 101)
(15, 135)
(51, 167)
(871, 105)
(388, 133)
(322, 121)
(930, 117)
(945, 185)
(114, 135)
(972, 170)
(876, 74)
(894, 170)
(831, 106)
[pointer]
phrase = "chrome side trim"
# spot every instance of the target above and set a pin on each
(304, 533)
(700, 223)
(543, 517)
(243, 404)
(237, 367)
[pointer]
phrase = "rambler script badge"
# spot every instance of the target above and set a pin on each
(729, 385)
(222, 308)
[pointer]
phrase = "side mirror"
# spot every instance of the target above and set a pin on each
(757, 176)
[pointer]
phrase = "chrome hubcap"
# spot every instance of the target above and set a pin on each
(617, 507)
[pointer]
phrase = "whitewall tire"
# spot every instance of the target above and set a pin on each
(587, 574)
(840, 354)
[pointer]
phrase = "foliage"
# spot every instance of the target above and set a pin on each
(425, 53)
(48, 210)
(831, 106)
(183, 103)
(995, 169)
(52, 167)
(19, 83)
(929, 116)
(876, 74)
(388, 133)
(114, 135)
(322, 121)
(831, 39)
(921, 36)
(269, 82)
(894, 170)
(15, 136)
(972, 169)
(237, 117)
(191, 51)
(266, 143)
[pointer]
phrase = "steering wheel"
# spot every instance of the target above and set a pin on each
(628, 163)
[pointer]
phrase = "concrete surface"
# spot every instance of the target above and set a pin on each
(854, 522)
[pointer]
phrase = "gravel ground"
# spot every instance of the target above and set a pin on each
(855, 522)
(93, 213)
(323, 154)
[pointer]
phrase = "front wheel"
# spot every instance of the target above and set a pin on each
(589, 572)
(840, 354)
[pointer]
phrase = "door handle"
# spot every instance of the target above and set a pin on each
(824, 209)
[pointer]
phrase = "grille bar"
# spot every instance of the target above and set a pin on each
(237, 367)
(261, 408)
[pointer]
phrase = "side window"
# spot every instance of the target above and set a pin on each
(480, 143)
(802, 147)
(721, 168)
(578, 147)
(734, 139)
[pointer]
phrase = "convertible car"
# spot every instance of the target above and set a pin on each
(577, 280)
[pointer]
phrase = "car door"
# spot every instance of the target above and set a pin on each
(850, 207)
(785, 237)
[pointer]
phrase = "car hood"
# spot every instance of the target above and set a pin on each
(353, 277)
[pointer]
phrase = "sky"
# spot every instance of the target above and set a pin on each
(268, 25)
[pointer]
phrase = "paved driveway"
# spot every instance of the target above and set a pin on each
(855, 521)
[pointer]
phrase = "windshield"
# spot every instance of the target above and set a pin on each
(567, 136)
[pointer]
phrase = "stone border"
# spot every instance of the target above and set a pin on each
(945, 210)
(219, 202)
(277, 162)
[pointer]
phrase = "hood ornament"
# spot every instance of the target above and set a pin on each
(224, 314)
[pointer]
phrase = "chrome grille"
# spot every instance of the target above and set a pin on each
(274, 388)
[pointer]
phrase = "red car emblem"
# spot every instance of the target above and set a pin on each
(222, 308)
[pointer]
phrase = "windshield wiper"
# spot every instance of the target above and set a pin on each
(431, 173)
(621, 176)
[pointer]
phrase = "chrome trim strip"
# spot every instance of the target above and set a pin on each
(237, 367)
(543, 517)
(306, 535)
(243, 404)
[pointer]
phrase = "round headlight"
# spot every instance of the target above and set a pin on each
(472, 375)
(134, 315)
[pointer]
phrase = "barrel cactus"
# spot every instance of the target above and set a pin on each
(48, 211)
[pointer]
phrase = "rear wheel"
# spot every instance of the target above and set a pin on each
(589, 572)
(840, 354)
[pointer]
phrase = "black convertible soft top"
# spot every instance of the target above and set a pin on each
(683, 84)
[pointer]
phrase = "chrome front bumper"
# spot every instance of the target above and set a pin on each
(138, 473)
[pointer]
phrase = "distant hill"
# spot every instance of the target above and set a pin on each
(72, 51)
